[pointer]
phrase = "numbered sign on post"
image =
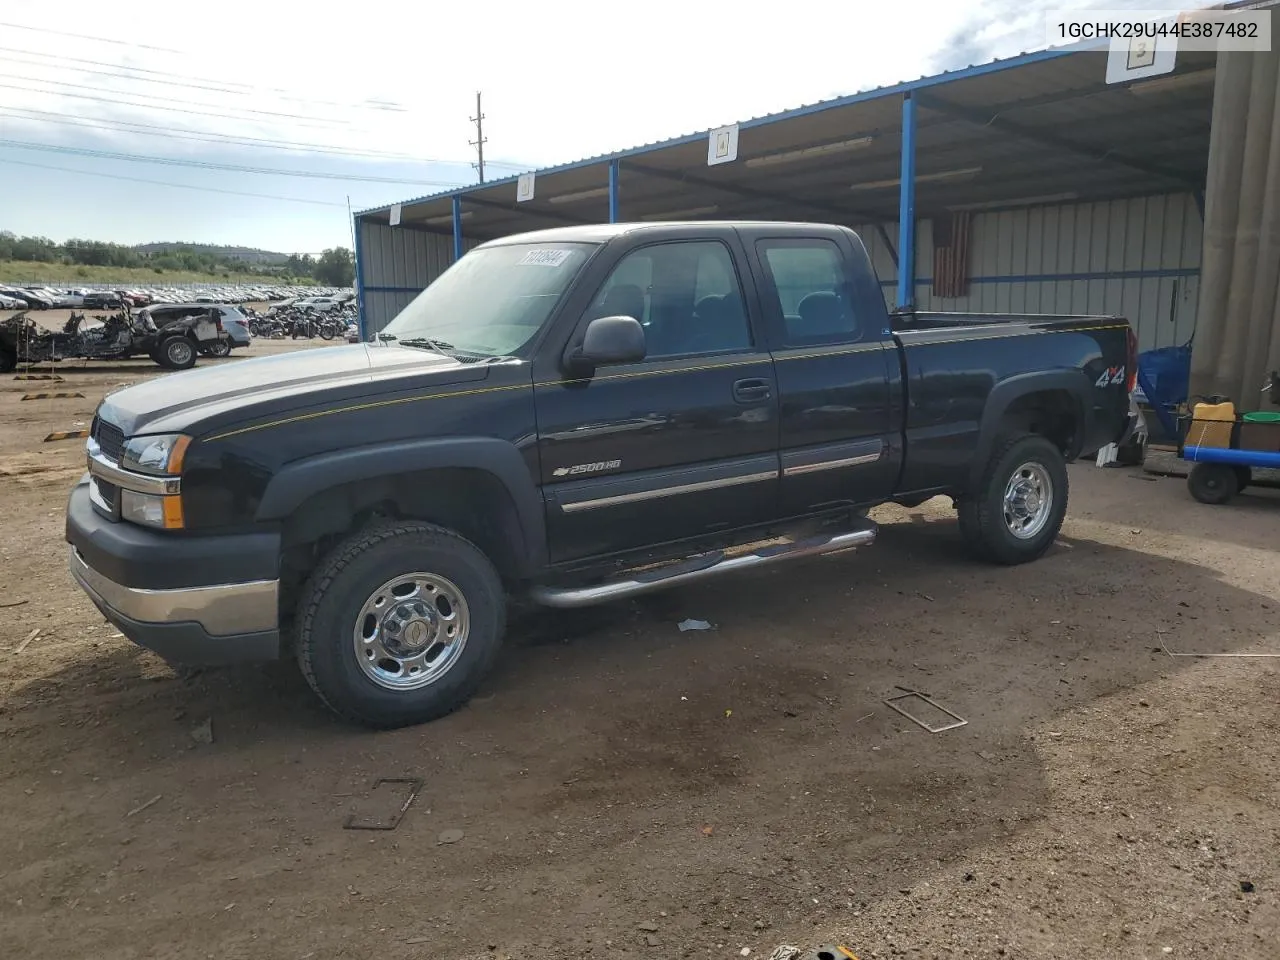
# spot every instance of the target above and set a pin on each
(722, 145)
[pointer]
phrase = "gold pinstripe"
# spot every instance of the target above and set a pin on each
(861, 348)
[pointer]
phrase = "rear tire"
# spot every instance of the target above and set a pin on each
(378, 601)
(1017, 509)
(219, 348)
(8, 361)
(176, 353)
(1213, 483)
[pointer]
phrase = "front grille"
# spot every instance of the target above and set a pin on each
(110, 439)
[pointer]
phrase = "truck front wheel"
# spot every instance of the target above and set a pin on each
(399, 624)
(1017, 509)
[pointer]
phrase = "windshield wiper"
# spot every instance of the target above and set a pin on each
(440, 346)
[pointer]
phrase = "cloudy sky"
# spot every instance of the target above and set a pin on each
(159, 124)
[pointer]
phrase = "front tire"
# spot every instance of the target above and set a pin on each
(1017, 509)
(400, 624)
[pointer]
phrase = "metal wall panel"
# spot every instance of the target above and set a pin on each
(396, 264)
(1139, 258)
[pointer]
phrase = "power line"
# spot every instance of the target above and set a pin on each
(211, 165)
(127, 103)
(182, 80)
(81, 36)
(175, 133)
(167, 183)
(179, 100)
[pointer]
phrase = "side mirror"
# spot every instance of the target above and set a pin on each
(612, 340)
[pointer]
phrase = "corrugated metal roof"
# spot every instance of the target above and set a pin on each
(946, 76)
(1041, 124)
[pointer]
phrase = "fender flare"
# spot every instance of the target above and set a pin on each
(297, 482)
(1006, 392)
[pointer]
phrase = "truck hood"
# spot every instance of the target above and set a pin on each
(215, 394)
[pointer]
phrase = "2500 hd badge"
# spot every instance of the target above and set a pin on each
(586, 468)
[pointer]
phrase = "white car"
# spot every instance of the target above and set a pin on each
(11, 303)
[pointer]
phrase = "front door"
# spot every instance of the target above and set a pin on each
(680, 445)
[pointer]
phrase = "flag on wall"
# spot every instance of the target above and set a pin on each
(951, 255)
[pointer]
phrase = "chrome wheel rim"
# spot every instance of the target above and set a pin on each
(179, 352)
(411, 631)
(1028, 500)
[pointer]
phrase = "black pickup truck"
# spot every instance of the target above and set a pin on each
(571, 416)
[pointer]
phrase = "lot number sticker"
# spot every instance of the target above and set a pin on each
(546, 258)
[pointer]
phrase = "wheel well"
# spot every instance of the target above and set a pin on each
(470, 502)
(1052, 414)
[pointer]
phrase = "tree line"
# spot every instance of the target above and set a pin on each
(334, 267)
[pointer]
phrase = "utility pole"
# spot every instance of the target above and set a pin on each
(479, 141)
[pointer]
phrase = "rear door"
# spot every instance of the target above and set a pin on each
(837, 369)
(683, 444)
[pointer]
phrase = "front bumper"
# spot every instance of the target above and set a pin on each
(154, 588)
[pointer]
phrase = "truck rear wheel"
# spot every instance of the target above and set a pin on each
(400, 624)
(1017, 509)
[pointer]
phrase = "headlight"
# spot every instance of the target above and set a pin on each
(151, 510)
(160, 455)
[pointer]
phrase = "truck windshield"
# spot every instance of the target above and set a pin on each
(492, 302)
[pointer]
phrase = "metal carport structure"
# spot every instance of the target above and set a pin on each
(1085, 197)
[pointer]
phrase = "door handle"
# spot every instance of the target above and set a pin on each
(752, 390)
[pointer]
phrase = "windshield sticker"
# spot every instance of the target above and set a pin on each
(546, 258)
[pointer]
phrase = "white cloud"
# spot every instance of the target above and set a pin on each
(561, 81)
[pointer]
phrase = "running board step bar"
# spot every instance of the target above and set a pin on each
(702, 567)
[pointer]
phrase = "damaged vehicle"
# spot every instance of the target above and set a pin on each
(173, 345)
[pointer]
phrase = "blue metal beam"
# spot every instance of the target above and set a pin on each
(361, 311)
(457, 229)
(613, 191)
(907, 207)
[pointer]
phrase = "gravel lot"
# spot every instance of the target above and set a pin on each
(625, 789)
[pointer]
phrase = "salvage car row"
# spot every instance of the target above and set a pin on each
(39, 297)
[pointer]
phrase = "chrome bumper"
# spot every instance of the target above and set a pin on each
(221, 610)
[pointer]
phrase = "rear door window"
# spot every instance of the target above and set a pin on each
(809, 292)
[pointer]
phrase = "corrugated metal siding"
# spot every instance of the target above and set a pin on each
(396, 264)
(1139, 258)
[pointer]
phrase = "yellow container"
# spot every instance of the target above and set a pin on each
(1211, 425)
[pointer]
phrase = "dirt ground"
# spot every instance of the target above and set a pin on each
(625, 789)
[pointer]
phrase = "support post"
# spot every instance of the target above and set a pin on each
(362, 310)
(907, 208)
(613, 191)
(457, 229)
